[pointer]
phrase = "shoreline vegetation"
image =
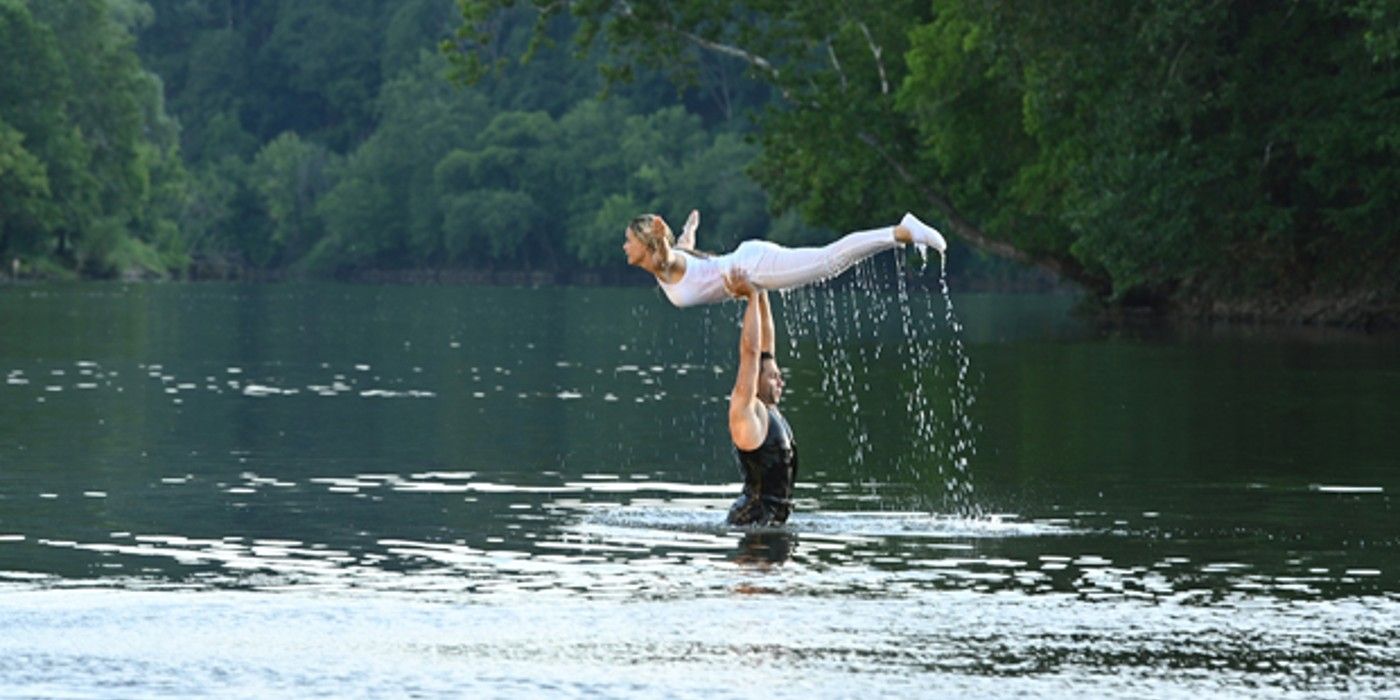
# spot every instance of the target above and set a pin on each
(1187, 161)
(1370, 312)
(1009, 280)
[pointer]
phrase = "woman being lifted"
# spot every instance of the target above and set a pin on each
(690, 279)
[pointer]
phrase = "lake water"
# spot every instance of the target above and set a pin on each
(302, 490)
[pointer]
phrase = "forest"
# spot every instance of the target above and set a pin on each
(1202, 159)
(164, 138)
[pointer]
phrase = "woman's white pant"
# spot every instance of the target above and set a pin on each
(772, 266)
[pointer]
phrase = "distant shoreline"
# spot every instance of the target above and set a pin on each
(1367, 310)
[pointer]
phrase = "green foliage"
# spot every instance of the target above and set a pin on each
(422, 120)
(1381, 31)
(357, 213)
(29, 213)
(89, 164)
(322, 136)
(290, 176)
(489, 224)
(1159, 152)
(836, 65)
(514, 172)
(1198, 149)
(483, 186)
(35, 136)
(263, 69)
(595, 238)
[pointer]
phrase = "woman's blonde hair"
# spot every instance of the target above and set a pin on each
(651, 230)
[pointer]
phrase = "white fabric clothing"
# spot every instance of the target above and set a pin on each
(771, 266)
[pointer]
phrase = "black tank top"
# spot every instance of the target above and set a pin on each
(770, 469)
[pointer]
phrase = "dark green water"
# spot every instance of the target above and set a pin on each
(361, 490)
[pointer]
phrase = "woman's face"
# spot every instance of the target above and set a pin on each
(634, 248)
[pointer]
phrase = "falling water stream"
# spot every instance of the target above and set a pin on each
(843, 323)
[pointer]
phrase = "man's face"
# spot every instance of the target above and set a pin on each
(770, 382)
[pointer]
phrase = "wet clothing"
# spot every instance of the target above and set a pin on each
(774, 267)
(769, 473)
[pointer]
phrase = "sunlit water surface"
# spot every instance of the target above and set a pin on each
(330, 490)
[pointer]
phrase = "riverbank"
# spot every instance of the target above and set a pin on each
(1368, 310)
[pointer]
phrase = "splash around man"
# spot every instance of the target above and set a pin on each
(762, 438)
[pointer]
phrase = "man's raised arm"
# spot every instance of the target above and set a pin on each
(769, 341)
(748, 423)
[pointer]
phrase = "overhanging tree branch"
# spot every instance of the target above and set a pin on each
(877, 52)
(960, 226)
(967, 231)
(1060, 266)
(754, 60)
(836, 63)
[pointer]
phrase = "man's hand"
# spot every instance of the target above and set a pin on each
(737, 284)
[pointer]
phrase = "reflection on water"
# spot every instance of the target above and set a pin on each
(300, 490)
(956, 644)
(603, 535)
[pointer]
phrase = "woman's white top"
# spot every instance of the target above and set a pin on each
(702, 282)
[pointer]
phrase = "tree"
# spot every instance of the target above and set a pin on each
(290, 176)
(837, 148)
(29, 213)
(32, 131)
(90, 156)
(1161, 153)
(422, 119)
(1197, 152)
